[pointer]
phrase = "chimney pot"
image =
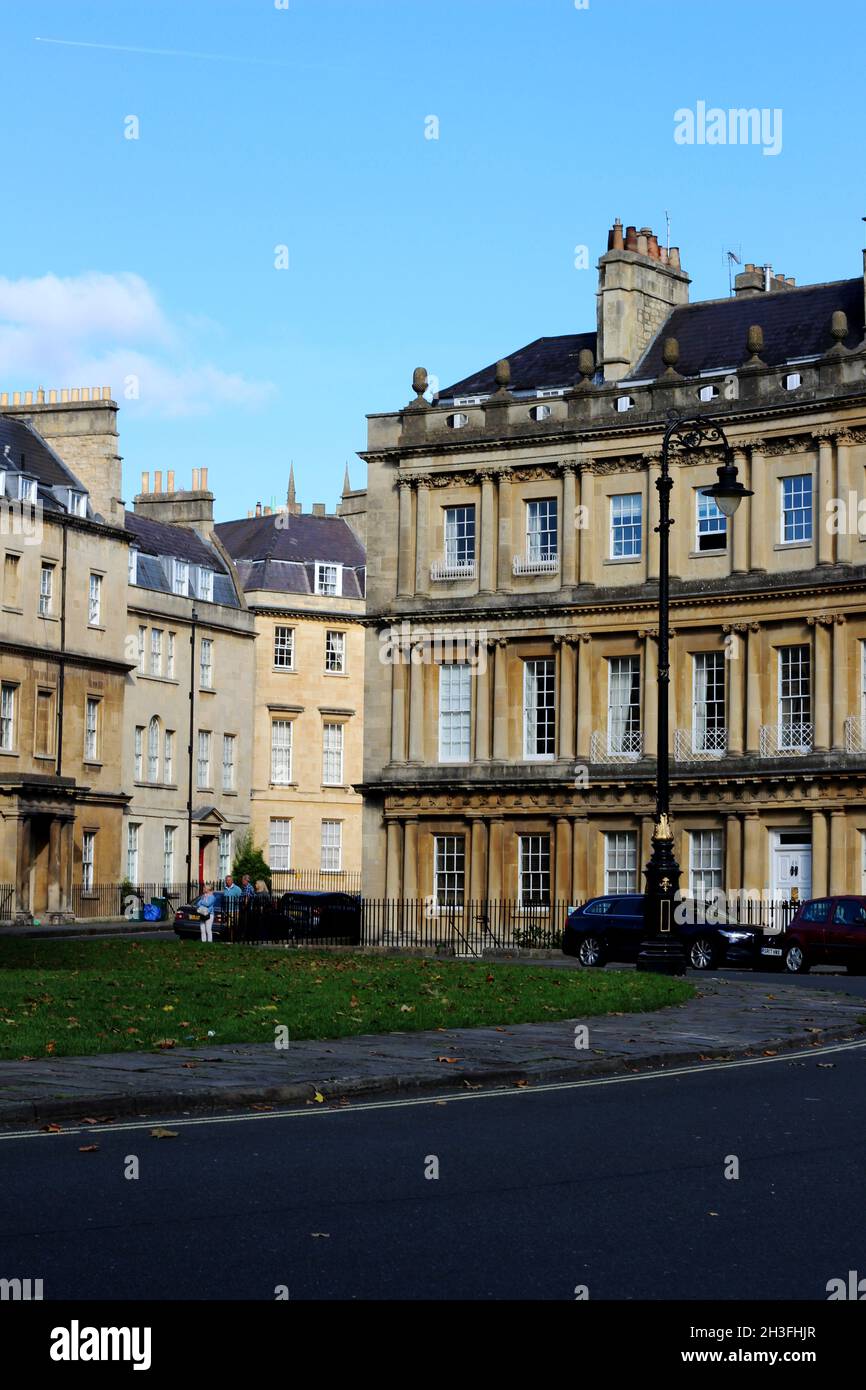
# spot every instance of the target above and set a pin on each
(674, 257)
(203, 483)
(195, 480)
(145, 482)
(169, 486)
(258, 509)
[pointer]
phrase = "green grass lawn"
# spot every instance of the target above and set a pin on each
(67, 998)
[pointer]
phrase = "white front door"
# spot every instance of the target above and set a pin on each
(792, 866)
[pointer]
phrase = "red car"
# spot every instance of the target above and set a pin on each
(823, 931)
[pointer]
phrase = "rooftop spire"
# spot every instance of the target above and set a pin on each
(290, 495)
(347, 486)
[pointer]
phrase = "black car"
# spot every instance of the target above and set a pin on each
(612, 928)
(301, 917)
(188, 919)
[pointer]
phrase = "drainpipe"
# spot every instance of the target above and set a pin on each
(61, 681)
(191, 741)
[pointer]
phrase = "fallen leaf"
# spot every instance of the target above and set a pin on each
(769, 1053)
(261, 1107)
(318, 1097)
(321, 1235)
(160, 1133)
(190, 1065)
(472, 1085)
(826, 1066)
(447, 1059)
(407, 1008)
(52, 1129)
(88, 1148)
(521, 1083)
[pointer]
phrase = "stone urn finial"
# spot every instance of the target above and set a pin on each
(420, 381)
(838, 332)
(670, 357)
(755, 345)
(502, 374)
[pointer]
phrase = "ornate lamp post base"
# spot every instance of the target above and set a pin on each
(662, 950)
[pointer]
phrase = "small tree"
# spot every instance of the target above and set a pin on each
(250, 860)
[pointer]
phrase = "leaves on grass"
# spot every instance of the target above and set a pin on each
(318, 1097)
(88, 1148)
(160, 1133)
(448, 1059)
(52, 1129)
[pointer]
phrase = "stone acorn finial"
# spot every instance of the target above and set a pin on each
(502, 374)
(420, 381)
(586, 363)
(671, 352)
(755, 345)
(838, 331)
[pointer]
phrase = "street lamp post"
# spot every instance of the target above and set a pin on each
(662, 950)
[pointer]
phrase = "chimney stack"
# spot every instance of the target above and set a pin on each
(639, 283)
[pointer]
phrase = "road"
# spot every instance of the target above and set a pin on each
(618, 1185)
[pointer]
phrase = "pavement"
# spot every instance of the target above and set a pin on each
(728, 1018)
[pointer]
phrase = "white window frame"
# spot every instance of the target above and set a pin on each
(624, 731)
(620, 862)
(225, 853)
(455, 712)
(8, 710)
(624, 543)
(335, 651)
(282, 751)
(168, 836)
(88, 860)
(204, 583)
(94, 600)
(205, 663)
(331, 846)
(539, 708)
(284, 648)
(228, 762)
(542, 529)
(156, 651)
(279, 840)
(710, 521)
(203, 759)
(709, 728)
(333, 738)
(132, 565)
(154, 742)
(169, 656)
(91, 728)
(180, 577)
(794, 701)
(533, 870)
(168, 757)
(706, 863)
(449, 870)
(142, 647)
(27, 491)
(46, 590)
(132, 851)
(459, 536)
(77, 503)
(802, 515)
(326, 584)
(138, 753)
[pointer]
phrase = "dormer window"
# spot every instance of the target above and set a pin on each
(133, 564)
(26, 488)
(204, 583)
(624, 403)
(180, 577)
(329, 579)
(77, 503)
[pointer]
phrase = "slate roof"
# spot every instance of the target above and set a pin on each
(796, 323)
(282, 558)
(545, 363)
(158, 539)
(23, 450)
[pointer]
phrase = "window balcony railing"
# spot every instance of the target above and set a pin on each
(621, 748)
(693, 745)
(535, 564)
(778, 740)
(452, 569)
(855, 735)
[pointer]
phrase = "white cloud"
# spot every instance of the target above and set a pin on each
(97, 329)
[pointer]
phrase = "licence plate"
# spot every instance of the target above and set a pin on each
(771, 950)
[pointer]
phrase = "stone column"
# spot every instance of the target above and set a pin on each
(394, 859)
(494, 861)
(422, 543)
(849, 520)
(740, 523)
(416, 704)
(398, 707)
(584, 695)
(579, 829)
(840, 680)
(404, 539)
(66, 834)
(760, 519)
(562, 862)
(735, 641)
(819, 854)
(500, 701)
(821, 696)
(54, 865)
(410, 860)
(753, 689)
(733, 853)
(650, 690)
(569, 523)
(825, 491)
(654, 472)
(754, 867)
(478, 861)
(838, 858)
(486, 542)
(565, 646)
(645, 849)
(587, 539)
(482, 702)
(22, 865)
(503, 579)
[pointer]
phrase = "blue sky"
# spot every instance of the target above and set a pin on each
(155, 257)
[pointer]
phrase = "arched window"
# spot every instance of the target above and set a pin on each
(153, 750)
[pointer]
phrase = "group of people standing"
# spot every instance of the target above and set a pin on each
(208, 901)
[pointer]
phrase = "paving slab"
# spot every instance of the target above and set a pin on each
(728, 1018)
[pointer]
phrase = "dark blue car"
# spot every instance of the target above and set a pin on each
(612, 928)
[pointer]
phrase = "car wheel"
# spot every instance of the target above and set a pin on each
(702, 953)
(590, 951)
(795, 959)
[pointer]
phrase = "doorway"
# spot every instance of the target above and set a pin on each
(792, 864)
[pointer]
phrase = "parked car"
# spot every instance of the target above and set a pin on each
(189, 917)
(611, 928)
(300, 916)
(823, 931)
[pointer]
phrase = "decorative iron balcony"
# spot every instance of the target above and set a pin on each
(692, 745)
(619, 748)
(855, 735)
(446, 569)
(531, 564)
(778, 740)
